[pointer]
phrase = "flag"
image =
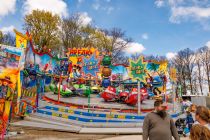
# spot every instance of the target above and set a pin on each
(21, 40)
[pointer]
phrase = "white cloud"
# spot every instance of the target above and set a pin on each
(180, 13)
(208, 44)
(159, 3)
(170, 55)
(55, 6)
(84, 19)
(7, 29)
(134, 47)
(96, 6)
(7, 6)
(176, 2)
(188, 10)
(145, 36)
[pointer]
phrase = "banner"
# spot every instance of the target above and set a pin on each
(11, 62)
(44, 62)
(91, 66)
(21, 40)
(76, 55)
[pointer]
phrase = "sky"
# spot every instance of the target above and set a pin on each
(158, 27)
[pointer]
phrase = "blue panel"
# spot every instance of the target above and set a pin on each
(128, 118)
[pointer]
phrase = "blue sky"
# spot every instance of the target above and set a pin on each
(157, 27)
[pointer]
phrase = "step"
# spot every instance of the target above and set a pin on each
(96, 114)
(72, 116)
(36, 119)
(84, 124)
(98, 111)
(45, 126)
(111, 131)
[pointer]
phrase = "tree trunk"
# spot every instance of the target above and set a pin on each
(191, 84)
(184, 85)
(200, 78)
(208, 78)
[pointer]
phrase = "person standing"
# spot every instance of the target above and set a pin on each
(199, 132)
(189, 119)
(202, 116)
(193, 110)
(158, 125)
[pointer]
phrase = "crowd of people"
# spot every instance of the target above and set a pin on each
(158, 125)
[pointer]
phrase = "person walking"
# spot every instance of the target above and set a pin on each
(158, 125)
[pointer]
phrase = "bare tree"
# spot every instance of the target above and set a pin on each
(189, 61)
(135, 56)
(199, 65)
(205, 52)
(115, 41)
(184, 62)
(8, 39)
(73, 34)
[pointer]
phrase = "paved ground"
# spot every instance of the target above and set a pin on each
(31, 134)
(132, 137)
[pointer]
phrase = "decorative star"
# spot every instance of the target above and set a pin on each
(163, 67)
(138, 69)
(153, 66)
(90, 66)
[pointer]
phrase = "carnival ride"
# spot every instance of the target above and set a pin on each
(84, 79)
(130, 98)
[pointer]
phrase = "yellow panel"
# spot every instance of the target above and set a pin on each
(65, 116)
(61, 110)
(72, 107)
(55, 114)
(71, 111)
(121, 116)
(109, 116)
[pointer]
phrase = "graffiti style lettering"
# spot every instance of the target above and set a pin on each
(80, 52)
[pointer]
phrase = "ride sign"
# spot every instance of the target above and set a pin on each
(91, 66)
(138, 72)
(137, 69)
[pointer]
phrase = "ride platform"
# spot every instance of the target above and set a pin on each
(97, 103)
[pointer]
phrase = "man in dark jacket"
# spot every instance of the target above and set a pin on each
(158, 125)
